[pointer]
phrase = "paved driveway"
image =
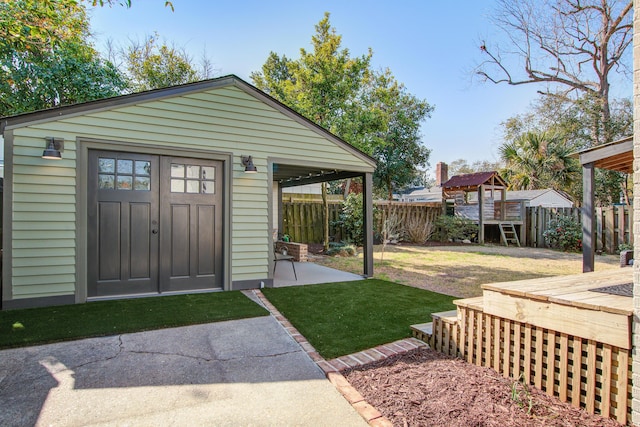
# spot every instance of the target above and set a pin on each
(242, 372)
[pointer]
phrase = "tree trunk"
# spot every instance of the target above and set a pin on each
(347, 187)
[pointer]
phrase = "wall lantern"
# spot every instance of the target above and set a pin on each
(249, 167)
(53, 149)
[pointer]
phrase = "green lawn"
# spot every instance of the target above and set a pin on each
(69, 322)
(347, 317)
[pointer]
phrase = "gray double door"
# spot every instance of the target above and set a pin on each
(154, 224)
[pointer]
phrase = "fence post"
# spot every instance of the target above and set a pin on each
(540, 226)
(610, 230)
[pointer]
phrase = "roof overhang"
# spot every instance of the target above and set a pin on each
(616, 156)
(288, 174)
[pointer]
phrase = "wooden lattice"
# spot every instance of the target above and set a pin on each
(586, 373)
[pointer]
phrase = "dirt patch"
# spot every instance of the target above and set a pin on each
(427, 388)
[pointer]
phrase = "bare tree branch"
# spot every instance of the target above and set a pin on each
(572, 45)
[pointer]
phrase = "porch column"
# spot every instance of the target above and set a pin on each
(367, 207)
(279, 205)
(588, 224)
(481, 214)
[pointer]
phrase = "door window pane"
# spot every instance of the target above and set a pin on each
(142, 183)
(124, 182)
(193, 171)
(106, 165)
(193, 186)
(208, 187)
(208, 172)
(143, 168)
(106, 182)
(177, 171)
(125, 167)
(177, 186)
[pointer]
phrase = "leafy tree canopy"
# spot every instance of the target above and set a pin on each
(323, 85)
(538, 160)
(462, 166)
(46, 59)
(571, 121)
(370, 110)
(151, 65)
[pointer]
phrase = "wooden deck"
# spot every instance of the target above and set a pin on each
(567, 304)
(554, 333)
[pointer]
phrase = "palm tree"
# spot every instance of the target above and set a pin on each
(537, 160)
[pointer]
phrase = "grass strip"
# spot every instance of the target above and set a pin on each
(347, 317)
(32, 326)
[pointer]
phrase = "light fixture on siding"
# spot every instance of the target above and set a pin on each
(53, 149)
(249, 167)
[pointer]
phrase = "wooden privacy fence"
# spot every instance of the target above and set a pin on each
(303, 220)
(613, 225)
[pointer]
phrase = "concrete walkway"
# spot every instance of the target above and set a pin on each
(242, 372)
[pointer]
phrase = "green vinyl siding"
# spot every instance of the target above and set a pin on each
(43, 218)
(219, 120)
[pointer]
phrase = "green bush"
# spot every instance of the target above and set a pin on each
(341, 249)
(624, 247)
(452, 228)
(565, 233)
(352, 219)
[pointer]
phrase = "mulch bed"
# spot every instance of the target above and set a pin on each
(427, 388)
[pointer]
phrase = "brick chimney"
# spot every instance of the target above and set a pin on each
(442, 173)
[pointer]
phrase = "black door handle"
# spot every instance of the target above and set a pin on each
(154, 231)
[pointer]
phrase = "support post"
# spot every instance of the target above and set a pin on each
(523, 226)
(588, 224)
(367, 207)
(481, 214)
(280, 219)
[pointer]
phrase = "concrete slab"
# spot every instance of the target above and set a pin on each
(243, 372)
(309, 273)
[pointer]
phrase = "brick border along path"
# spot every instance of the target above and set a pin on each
(332, 368)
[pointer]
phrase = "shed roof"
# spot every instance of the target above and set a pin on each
(471, 181)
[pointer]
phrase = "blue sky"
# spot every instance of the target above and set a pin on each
(430, 46)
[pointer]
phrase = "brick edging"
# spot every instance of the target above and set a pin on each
(333, 368)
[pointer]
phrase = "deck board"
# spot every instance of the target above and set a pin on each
(573, 290)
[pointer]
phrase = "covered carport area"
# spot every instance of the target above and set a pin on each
(285, 174)
(615, 156)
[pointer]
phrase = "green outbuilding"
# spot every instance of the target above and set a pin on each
(168, 191)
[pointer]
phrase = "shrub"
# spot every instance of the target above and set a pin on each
(565, 233)
(341, 249)
(351, 218)
(456, 228)
(417, 231)
(624, 247)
